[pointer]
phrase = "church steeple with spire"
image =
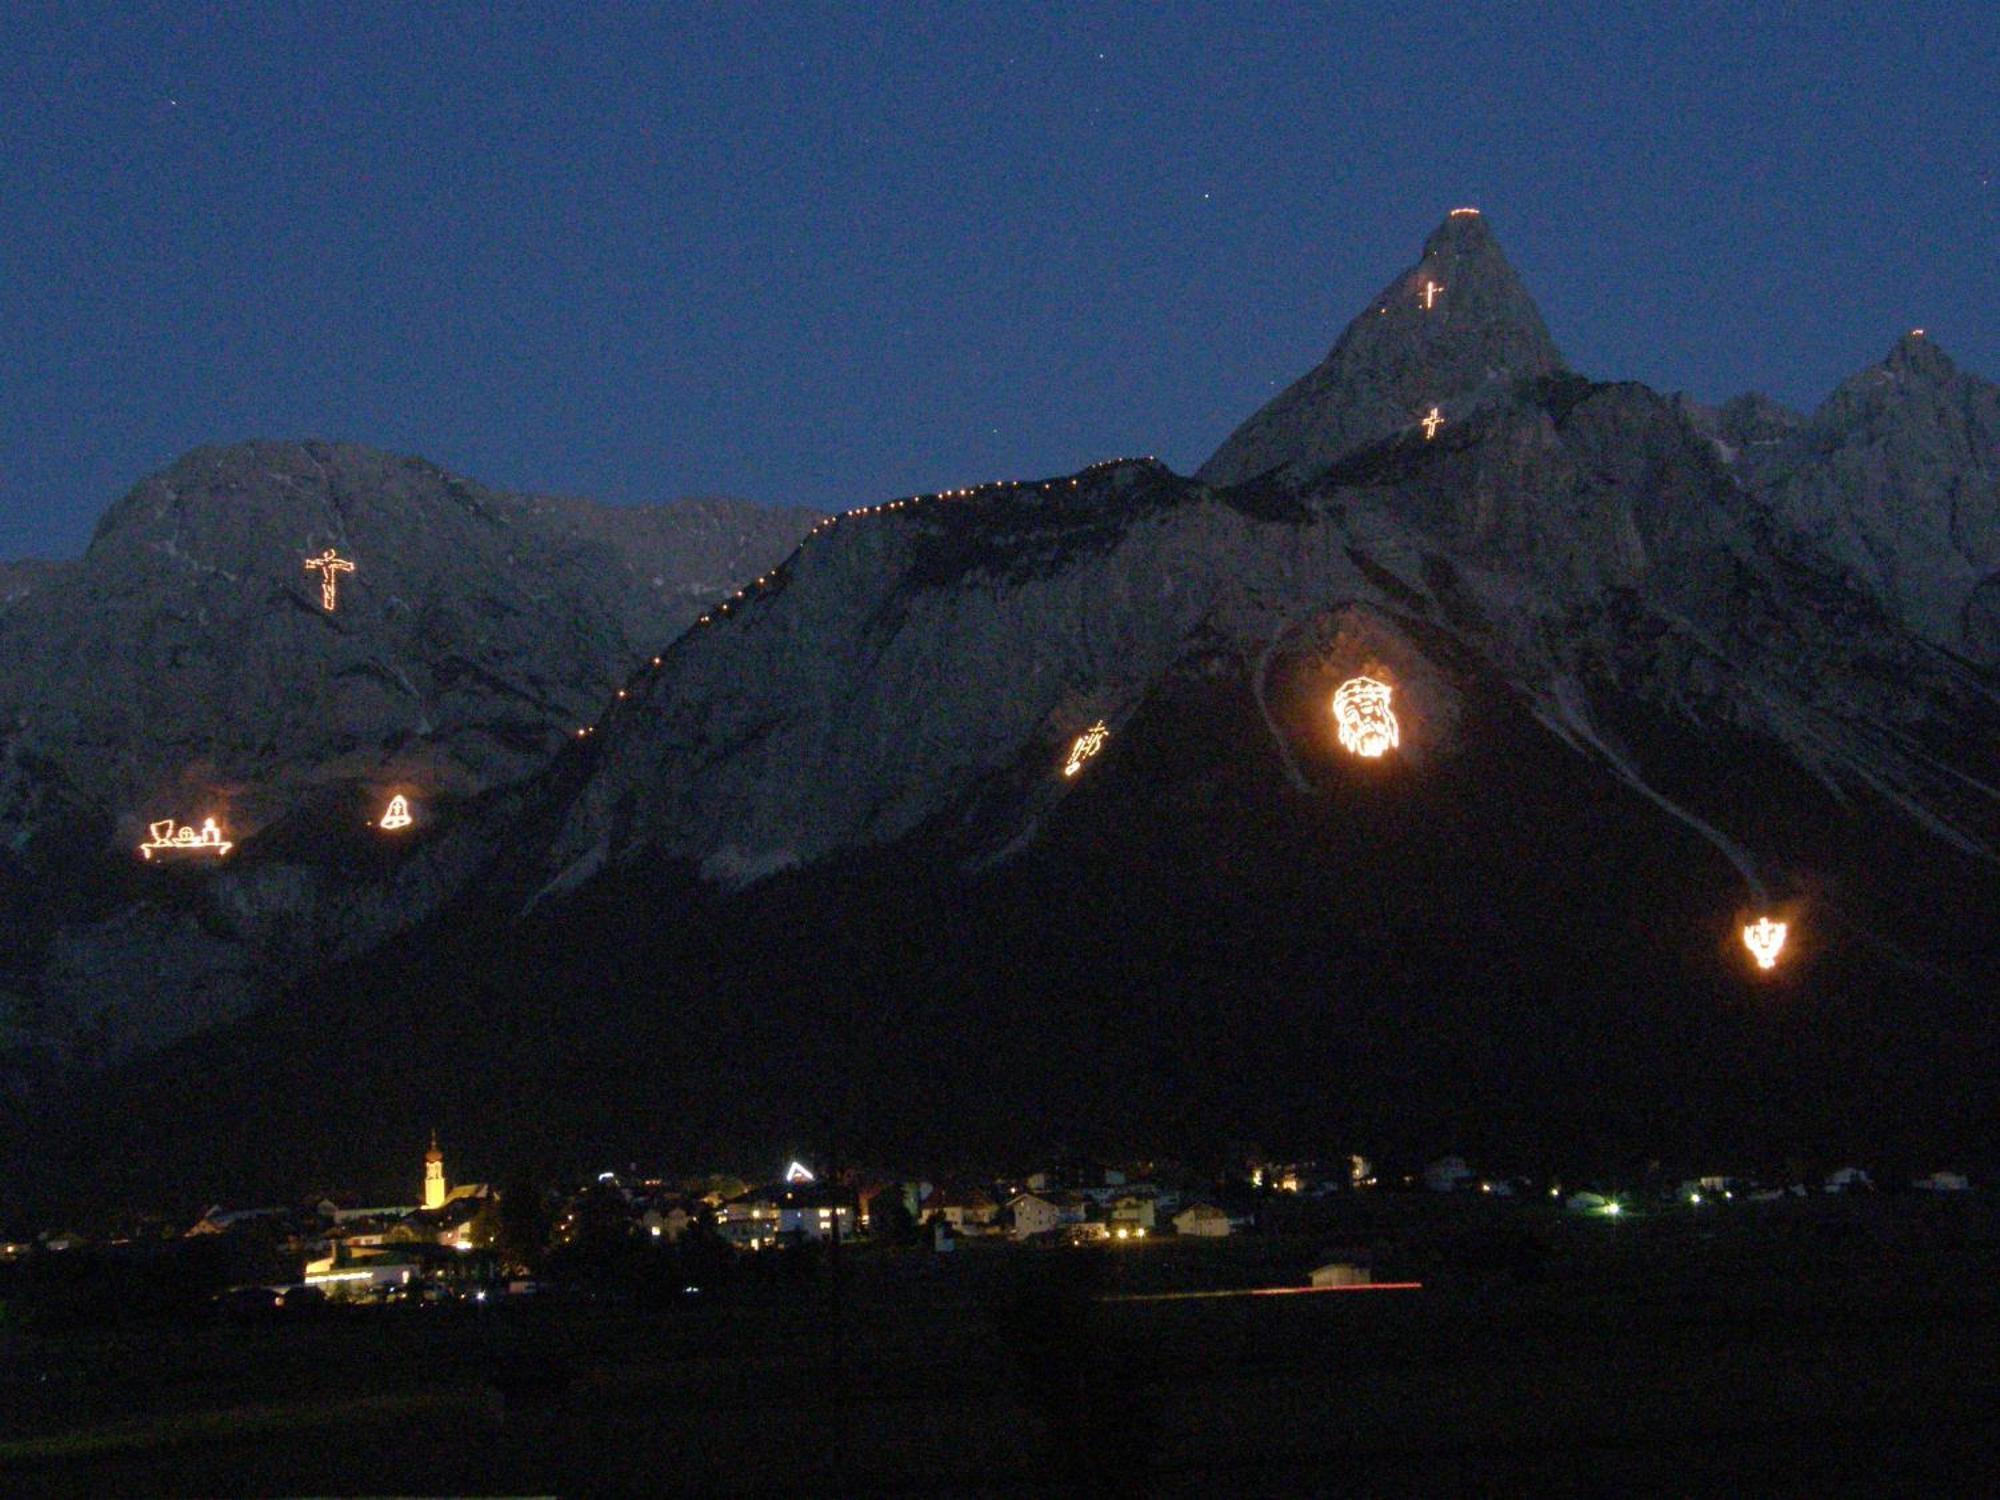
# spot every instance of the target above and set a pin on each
(434, 1175)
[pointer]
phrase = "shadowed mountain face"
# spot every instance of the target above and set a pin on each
(820, 871)
(1448, 333)
(1489, 945)
(1897, 477)
(20, 579)
(187, 668)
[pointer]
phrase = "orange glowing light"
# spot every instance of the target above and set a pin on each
(1431, 424)
(1463, 213)
(329, 565)
(397, 814)
(1087, 744)
(1431, 290)
(1766, 940)
(1368, 726)
(167, 839)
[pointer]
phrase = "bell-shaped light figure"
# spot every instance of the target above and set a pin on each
(1087, 744)
(1367, 725)
(397, 813)
(1766, 940)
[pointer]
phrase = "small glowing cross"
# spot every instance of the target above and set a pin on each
(1431, 290)
(329, 564)
(397, 814)
(1431, 424)
(1087, 744)
(1766, 939)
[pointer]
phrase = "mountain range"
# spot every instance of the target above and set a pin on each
(813, 861)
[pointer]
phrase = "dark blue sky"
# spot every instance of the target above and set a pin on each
(830, 254)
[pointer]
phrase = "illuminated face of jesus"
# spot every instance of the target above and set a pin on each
(1361, 710)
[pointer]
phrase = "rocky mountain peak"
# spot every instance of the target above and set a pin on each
(1450, 333)
(1897, 477)
(1916, 352)
(1916, 381)
(194, 664)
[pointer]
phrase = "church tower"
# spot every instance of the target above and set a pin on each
(434, 1175)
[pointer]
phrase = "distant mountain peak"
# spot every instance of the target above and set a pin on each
(1897, 477)
(1446, 333)
(1916, 352)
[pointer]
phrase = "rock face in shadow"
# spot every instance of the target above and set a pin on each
(1449, 333)
(1586, 543)
(21, 578)
(823, 851)
(187, 668)
(1897, 477)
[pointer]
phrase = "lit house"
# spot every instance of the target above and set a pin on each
(221, 1221)
(749, 1223)
(669, 1225)
(967, 1212)
(1202, 1221)
(815, 1213)
(1033, 1214)
(1341, 1273)
(1132, 1211)
(1941, 1182)
(801, 1210)
(343, 1275)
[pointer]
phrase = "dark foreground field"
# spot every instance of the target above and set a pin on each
(1807, 1348)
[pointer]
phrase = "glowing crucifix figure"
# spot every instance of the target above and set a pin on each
(397, 814)
(167, 839)
(329, 565)
(1431, 424)
(1368, 727)
(1087, 744)
(1431, 290)
(1765, 939)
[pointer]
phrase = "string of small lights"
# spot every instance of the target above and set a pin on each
(1366, 725)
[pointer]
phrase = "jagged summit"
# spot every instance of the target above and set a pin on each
(1897, 477)
(1447, 332)
(1918, 351)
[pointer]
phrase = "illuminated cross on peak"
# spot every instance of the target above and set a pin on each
(329, 565)
(1431, 424)
(1431, 290)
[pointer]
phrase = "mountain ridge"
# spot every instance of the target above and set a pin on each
(1628, 672)
(187, 667)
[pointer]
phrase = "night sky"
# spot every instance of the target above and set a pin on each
(826, 255)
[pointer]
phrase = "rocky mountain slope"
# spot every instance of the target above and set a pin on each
(20, 579)
(824, 868)
(1897, 477)
(1450, 333)
(187, 668)
(1586, 541)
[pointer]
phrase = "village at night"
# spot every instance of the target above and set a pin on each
(974, 751)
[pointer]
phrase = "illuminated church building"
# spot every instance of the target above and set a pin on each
(437, 1193)
(434, 1194)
